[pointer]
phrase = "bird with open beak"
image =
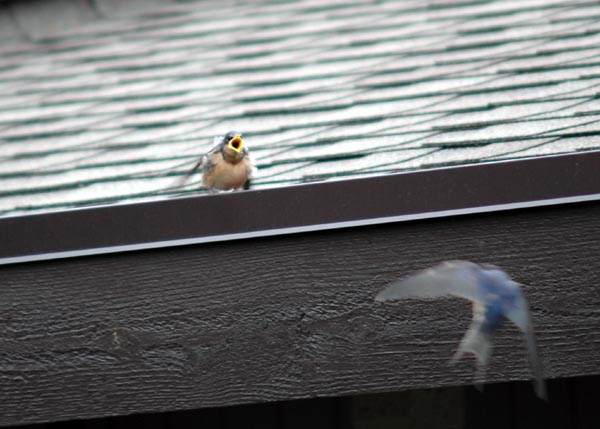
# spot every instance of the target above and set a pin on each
(495, 297)
(227, 166)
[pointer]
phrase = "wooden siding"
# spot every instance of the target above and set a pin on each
(286, 317)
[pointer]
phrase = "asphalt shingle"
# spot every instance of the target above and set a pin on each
(115, 110)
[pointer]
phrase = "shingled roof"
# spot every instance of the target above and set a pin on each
(116, 110)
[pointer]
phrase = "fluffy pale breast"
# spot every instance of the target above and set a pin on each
(223, 175)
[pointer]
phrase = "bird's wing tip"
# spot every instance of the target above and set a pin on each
(381, 297)
(392, 292)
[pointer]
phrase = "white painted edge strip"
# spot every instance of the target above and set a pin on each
(294, 230)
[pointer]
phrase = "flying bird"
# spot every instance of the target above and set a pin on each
(495, 296)
(227, 166)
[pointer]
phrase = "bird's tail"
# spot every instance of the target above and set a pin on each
(477, 342)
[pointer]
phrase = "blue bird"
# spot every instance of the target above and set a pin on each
(495, 298)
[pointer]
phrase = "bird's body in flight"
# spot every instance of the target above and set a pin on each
(495, 298)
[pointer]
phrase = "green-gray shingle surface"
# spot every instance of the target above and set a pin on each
(116, 110)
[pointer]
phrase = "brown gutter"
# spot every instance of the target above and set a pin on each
(374, 200)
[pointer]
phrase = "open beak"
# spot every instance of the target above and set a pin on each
(236, 143)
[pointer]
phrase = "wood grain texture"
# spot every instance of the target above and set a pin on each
(286, 317)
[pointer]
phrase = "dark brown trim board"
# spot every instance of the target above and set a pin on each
(312, 207)
(287, 316)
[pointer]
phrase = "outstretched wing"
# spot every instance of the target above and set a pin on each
(458, 278)
(518, 313)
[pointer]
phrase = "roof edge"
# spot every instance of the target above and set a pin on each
(424, 194)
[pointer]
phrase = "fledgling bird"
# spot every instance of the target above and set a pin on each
(495, 298)
(226, 166)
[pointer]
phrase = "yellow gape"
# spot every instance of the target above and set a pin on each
(236, 143)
